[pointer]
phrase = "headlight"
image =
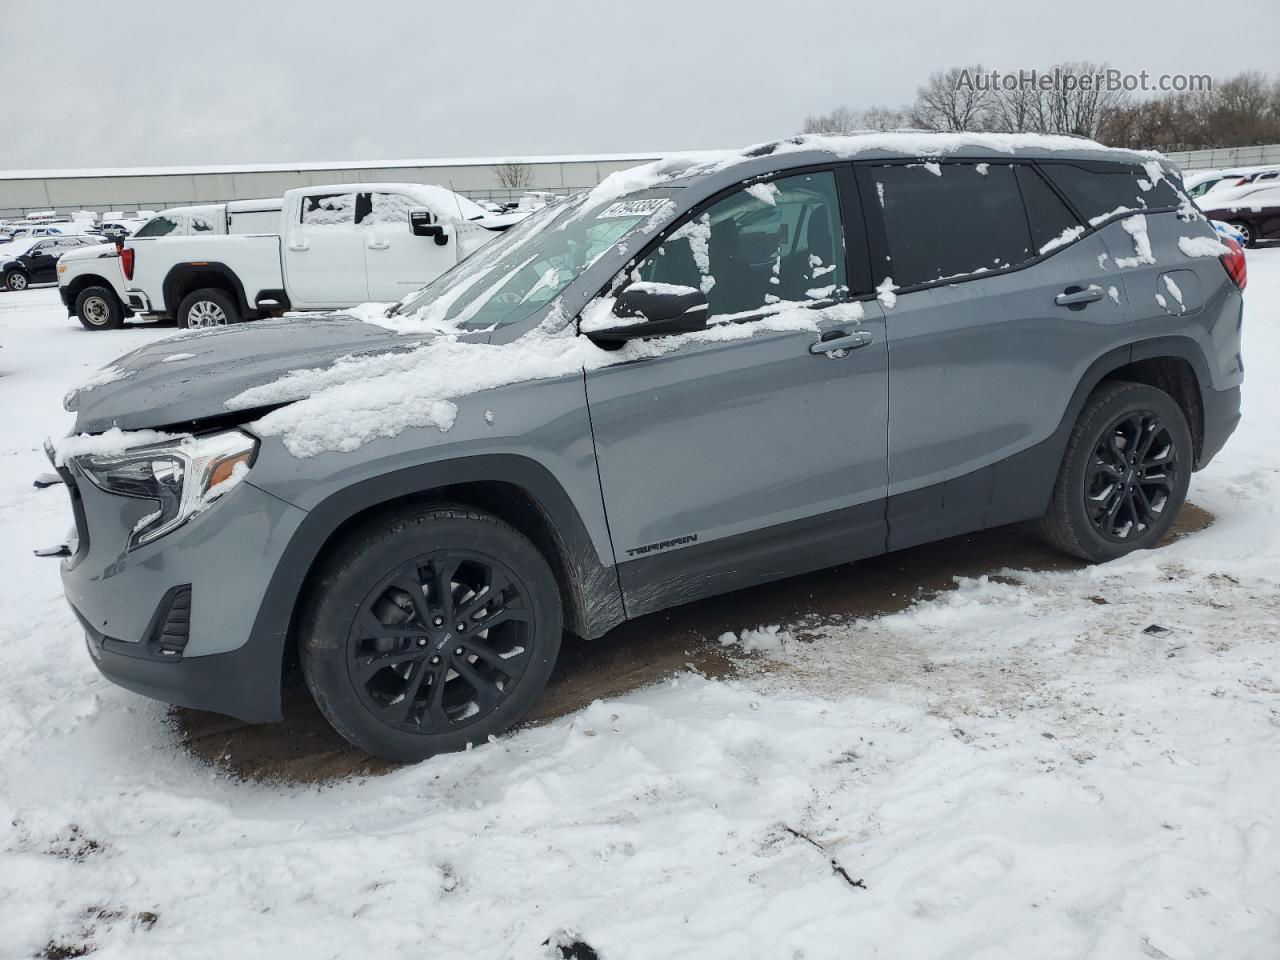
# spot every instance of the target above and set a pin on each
(182, 477)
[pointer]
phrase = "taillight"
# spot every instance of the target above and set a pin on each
(1233, 260)
(126, 262)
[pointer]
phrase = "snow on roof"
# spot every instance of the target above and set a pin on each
(176, 171)
(850, 146)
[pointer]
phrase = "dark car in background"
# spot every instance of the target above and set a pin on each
(1255, 216)
(38, 263)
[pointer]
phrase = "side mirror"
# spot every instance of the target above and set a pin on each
(647, 309)
(421, 225)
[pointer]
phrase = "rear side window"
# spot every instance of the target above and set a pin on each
(157, 227)
(329, 210)
(1052, 224)
(1100, 190)
(951, 219)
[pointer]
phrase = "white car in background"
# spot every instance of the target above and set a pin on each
(326, 247)
(91, 281)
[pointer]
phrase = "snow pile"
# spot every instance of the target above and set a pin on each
(1067, 236)
(1136, 227)
(767, 640)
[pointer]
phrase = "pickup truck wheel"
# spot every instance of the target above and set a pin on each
(98, 308)
(1124, 476)
(15, 280)
(430, 630)
(207, 307)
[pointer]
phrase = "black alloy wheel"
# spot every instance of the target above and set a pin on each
(440, 642)
(1133, 475)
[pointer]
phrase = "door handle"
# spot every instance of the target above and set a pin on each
(378, 244)
(299, 245)
(840, 342)
(1079, 296)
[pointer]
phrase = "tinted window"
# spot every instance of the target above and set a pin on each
(951, 219)
(1051, 221)
(776, 241)
(1099, 190)
(157, 227)
(334, 209)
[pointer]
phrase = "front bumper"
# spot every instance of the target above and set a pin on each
(224, 556)
(65, 297)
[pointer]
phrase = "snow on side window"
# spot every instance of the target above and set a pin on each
(328, 210)
(769, 243)
(384, 208)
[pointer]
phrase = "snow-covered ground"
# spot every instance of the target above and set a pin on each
(1054, 765)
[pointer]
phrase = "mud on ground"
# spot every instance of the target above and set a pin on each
(304, 749)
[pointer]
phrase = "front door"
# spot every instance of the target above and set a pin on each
(324, 253)
(728, 462)
(397, 262)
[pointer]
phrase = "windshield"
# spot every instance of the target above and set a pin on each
(528, 266)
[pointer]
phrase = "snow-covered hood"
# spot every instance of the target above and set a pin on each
(191, 377)
(94, 252)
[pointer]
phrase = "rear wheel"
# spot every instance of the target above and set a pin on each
(1124, 476)
(430, 630)
(16, 280)
(207, 307)
(98, 308)
(1246, 235)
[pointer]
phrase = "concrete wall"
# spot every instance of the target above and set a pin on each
(1226, 157)
(23, 191)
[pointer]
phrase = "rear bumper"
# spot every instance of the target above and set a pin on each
(1221, 415)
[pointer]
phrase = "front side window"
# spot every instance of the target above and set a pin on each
(383, 208)
(157, 227)
(774, 241)
(951, 220)
(329, 210)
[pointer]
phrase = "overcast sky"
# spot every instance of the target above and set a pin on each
(152, 82)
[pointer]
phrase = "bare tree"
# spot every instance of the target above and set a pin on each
(514, 176)
(839, 120)
(1076, 107)
(952, 100)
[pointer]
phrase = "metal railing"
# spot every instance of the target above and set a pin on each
(1220, 157)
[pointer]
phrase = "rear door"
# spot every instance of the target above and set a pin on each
(727, 463)
(997, 302)
(396, 261)
(324, 252)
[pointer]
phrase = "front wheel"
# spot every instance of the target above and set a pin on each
(207, 307)
(98, 308)
(16, 280)
(1124, 476)
(430, 630)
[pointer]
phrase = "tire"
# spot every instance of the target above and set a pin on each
(1249, 239)
(98, 308)
(1114, 495)
(16, 280)
(207, 307)
(413, 694)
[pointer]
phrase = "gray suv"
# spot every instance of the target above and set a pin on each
(779, 359)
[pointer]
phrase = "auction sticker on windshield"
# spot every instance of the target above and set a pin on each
(631, 208)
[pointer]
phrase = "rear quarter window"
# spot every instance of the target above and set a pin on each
(1100, 190)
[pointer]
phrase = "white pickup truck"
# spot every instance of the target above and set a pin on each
(91, 281)
(331, 247)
